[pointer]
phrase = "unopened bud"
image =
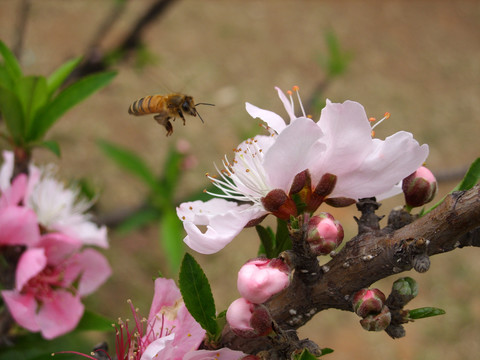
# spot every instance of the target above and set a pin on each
(368, 301)
(279, 204)
(249, 320)
(420, 187)
(324, 234)
(406, 287)
(260, 279)
(377, 322)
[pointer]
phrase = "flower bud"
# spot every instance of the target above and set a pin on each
(377, 322)
(324, 234)
(368, 301)
(406, 287)
(420, 187)
(249, 320)
(279, 204)
(259, 279)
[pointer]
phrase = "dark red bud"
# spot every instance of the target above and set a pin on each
(326, 185)
(279, 204)
(340, 201)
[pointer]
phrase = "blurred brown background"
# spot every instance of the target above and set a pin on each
(418, 60)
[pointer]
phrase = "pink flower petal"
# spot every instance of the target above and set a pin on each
(18, 226)
(96, 271)
(22, 308)
(30, 264)
(59, 314)
(223, 223)
(220, 354)
(166, 294)
(188, 333)
(58, 247)
(14, 194)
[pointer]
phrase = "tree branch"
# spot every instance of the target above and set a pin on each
(370, 256)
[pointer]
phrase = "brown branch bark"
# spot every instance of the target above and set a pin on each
(372, 255)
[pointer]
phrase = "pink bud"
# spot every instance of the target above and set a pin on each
(324, 234)
(368, 301)
(260, 279)
(420, 187)
(249, 320)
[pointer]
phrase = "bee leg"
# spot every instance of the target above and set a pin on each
(181, 115)
(164, 120)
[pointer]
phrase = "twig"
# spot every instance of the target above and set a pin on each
(371, 256)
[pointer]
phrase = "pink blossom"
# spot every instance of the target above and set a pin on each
(50, 280)
(249, 320)
(339, 144)
(259, 279)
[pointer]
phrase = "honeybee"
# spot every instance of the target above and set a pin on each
(167, 106)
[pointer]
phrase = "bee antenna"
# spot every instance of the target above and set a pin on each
(204, 104)
(200, 117)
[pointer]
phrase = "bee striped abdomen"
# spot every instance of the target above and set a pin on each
(147, 105)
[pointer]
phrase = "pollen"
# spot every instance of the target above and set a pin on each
(372, 119)
(295, 88)
(183, 217)
(247, 170)
(386, 115)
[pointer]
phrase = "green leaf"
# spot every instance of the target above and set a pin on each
(5, 79)
(32, 92)
(51, 145)
(12, 112)
(283, 241)
(129, 161)
(93, 321)
(471, 178)
(56, 79)
(267, 239)
(11, 64)
(138, 220)
(171, 231)
(425, 312)
(197, 294)
(65, 100)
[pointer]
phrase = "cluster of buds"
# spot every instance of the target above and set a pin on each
(369, 304)
(258, 280)
(419, 188)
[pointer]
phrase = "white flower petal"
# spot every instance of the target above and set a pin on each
(223, 220)
(388, 163)
(294, 150)
(273, 120)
